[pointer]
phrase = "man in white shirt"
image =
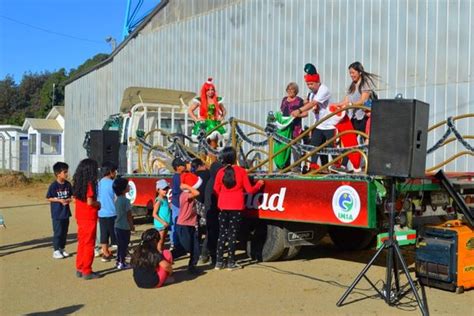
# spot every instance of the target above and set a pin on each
(318, 101)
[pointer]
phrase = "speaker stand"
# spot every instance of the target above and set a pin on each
(390, 293)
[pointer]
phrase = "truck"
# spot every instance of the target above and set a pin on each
(292, 210)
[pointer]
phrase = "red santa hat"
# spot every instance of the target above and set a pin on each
(191, 179)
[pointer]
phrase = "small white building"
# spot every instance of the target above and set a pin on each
(46, 140)
(13, 148)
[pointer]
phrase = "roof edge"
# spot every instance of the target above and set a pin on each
(157, 9)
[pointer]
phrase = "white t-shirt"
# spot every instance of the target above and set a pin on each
(322, 98)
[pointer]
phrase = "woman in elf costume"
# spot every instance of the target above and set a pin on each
(211, 114)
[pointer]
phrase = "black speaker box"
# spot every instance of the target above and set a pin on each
(398, 135)
(104, 146)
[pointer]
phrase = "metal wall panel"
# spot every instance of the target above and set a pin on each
(253, 48)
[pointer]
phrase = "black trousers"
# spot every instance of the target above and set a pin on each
(123, 239)
(60, 228)
(359, 125)
(188, 242)
(229, 224)
(209, 246)
(319, 137)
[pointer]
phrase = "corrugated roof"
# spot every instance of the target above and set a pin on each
(60, 109)
(42, 124)
(55, 110)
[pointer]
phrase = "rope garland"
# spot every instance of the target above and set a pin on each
(451, 129)
(179, 151)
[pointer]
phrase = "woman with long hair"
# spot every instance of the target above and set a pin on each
(230, 186)
(360, 90)
(87, 207)
(211, 113)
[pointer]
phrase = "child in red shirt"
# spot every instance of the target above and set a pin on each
(87, 207)
(230, 186)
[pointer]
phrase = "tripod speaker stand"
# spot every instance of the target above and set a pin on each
(391, 293)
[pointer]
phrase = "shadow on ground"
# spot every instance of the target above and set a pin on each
(46, 242)
(60, 311)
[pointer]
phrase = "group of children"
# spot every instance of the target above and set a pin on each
(203, 218)
(102, 203)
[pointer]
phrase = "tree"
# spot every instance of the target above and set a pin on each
(46, 95)
(9, 98)
(29, 90)
(91, 62)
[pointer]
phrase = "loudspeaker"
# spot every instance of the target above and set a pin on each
(104, 146)
(398, 134)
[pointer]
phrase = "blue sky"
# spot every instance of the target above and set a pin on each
(24, 48)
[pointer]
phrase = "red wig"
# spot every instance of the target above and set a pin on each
(204, 105)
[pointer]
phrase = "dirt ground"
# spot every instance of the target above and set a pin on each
(31, 282)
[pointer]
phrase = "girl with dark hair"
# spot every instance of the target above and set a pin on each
(359, 91)
(87, 207)
(151, 267)
(230, 185)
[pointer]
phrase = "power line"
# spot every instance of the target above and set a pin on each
(51, 32)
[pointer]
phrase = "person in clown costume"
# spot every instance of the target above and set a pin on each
(211, 114)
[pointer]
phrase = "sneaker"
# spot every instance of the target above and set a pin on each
(339, 169)
(57, 254)
(113, 247)
(233, 266)
(91, 276)
(219, 266)
(96, 253)
(64, 253)
(123, 266)
(106, 258)
(357, 170)
(79, 274)
(204, 259)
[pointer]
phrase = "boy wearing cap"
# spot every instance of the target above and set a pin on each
(188, 241)
(161, 212)
(318, 101)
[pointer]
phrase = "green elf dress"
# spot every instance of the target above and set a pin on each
(209, 123)
(285, 129)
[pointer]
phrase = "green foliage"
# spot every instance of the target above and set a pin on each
(33, 97)
(91, 62)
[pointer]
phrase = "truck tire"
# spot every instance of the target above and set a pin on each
(350, 238)
(290, 252)
(266, 243)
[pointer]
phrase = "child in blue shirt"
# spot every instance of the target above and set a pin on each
(161, 212)
(59, 195)
(107, 213)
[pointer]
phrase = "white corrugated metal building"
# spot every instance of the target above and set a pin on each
(253, 48)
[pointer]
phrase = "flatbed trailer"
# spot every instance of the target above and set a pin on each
(296, 210)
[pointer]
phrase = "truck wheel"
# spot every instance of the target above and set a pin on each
(350, 238)
(266, 243)
(290, 252)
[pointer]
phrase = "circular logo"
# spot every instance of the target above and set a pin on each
(346, 204)
(132, 193)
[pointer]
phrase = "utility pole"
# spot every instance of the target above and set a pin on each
(54, 86)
